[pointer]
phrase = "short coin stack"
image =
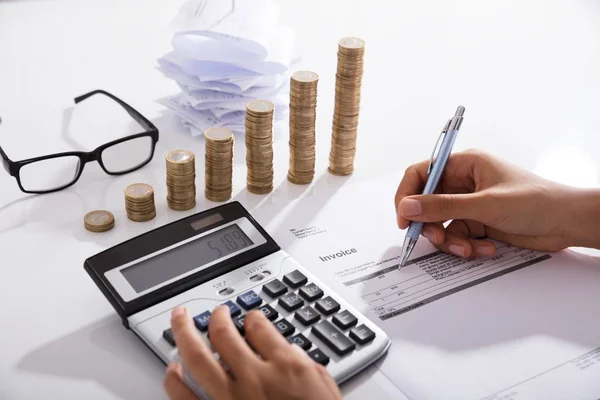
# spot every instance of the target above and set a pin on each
(139, 202)
(259, 146)
(303, 113)
(181, 180)
(347, 104)
(99, 221)
(218, 170)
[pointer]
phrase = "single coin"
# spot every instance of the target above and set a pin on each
(352, 43)
(260, 106)
(180, 156)
(305, 76)
(138, 190)
(218, 134)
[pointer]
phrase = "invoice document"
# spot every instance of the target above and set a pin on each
(520, 324)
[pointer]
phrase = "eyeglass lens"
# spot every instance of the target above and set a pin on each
(127, 155)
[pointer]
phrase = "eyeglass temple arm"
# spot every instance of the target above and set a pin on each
(130, 110)
(5, 159)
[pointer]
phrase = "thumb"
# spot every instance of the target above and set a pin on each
(444, 207)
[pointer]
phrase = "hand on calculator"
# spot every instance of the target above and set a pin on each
(271, 369)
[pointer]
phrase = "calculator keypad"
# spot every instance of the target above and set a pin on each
(300, 302)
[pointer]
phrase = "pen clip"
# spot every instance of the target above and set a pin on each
(439, 139)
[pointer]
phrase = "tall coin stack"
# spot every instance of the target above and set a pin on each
(303, 114)
(259, 146)
(218, 170)
(139, 202)
(181, 180)
(347, 104)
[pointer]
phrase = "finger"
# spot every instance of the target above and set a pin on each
(457, 241)
(175, 386)
(446, 207)
(458, 177)
(329, 382)
(263, 336)
(230, 345)
(434, 232)
(195, 353)
(468, 229)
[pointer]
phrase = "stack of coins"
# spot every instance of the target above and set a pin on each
(218, 170)
(259, 146)
(139, 202)
(181, 180)
(99, 221)
(347, 104)
(303, 114)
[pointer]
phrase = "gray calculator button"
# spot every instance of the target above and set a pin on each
(301, 341)
(344, 319)
(311, 292)
(361, 334)
(284, 327)
(269, 312)
(333, 338)
(327, 305)
(168, 336)
(275, 288)
(318, 356)
(295, 279)
(307, 315)
(291, 301)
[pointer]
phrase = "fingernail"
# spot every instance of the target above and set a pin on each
(457, 249)
(172, 366)
(410, 207)
(177, 311)
(484, 250)
(429, 235)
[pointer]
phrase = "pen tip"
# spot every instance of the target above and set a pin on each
(459, 111)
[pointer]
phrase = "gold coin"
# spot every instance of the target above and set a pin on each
(139, 191)
(99, 221)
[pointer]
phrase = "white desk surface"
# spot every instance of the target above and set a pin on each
(527, 73)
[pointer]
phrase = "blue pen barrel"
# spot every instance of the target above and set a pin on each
(414, 230)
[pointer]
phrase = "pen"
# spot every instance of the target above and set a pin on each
(435, 170)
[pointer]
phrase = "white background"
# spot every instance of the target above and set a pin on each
(526, 71)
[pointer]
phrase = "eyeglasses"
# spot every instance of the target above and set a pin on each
(58, 171)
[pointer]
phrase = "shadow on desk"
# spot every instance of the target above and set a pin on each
(106, 354)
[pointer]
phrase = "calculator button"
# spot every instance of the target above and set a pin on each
(333, 338)
(307, 315)
(168, 336)
(295, 279)
(344, 319)
(239, 323)
(291, 301)
(301, 341)
(275, 288)
(284, 327)
(202, 320)
(327, 305)
(311, 292)
(362, 334)
(249, 300)
(318, 356)
(234, 310)
(269, 312)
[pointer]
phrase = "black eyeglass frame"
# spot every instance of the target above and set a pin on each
(13, 167)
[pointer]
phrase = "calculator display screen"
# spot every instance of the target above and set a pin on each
(185, 258)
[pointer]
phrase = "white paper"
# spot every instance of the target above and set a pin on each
(247, 24)
(521, 332)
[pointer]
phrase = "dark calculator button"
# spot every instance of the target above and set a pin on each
(327, 305)
(284, 327)
(333, 338)
(202, 320)
(311, 292)
(301, 341)
(239, 323)
(344, 319)
(168, 335)
(249, 300)
(295, 279)
(307, 315)
(269, 312)
(233, 308)
(361, 334)
(291, 301)
(275, 288)
(318, 356)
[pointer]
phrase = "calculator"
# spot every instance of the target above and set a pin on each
(223, 256)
